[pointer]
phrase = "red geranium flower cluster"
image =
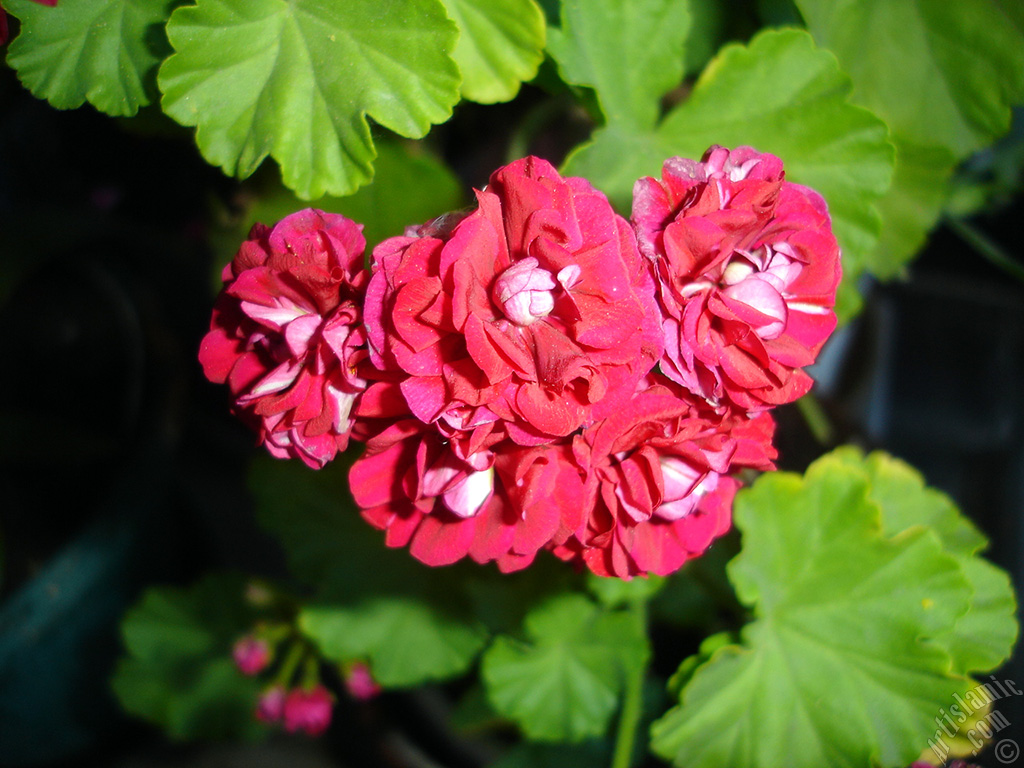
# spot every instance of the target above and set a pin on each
(541, 373)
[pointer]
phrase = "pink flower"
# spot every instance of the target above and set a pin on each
(658, 484)
(359, 682)
(308, 711)
(270, 708)
(286, 333)
(747, 267)
(533, 314)
(251, 655)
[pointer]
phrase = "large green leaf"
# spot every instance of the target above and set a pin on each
(178, 672)
(406, 641)
(101, 51)
(939, 73)
(782, 95)
(983, 637)
(630, 53)
(837, 669)
(501, 44)
(564, 683)
(296, 80)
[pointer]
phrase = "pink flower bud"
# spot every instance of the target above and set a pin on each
(251, 654)
(308, 711)
(270, 708)
(523, 291)
(360, 683)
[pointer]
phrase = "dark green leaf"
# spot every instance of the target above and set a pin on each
(940, 74)
(178, 672)
(409, 187)
(405, 641)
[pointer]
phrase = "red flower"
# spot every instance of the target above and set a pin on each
(439, 495)
(533, 314)
(658, 490)
(308, 711)
(286, 333)
(747, 268)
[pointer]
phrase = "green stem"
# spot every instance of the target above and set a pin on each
(816, 418)
(991, 251)
(286, 674)
(633, 702)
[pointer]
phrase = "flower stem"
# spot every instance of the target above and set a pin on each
(816, 418)
(988, 249)
(632, 704)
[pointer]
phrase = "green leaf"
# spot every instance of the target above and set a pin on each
(940, 74)
(296, 81)
(707, 26)
(906, 501)
(328, 545)
(409, 187)
(101, 51)
(178, 672)
(501, 44)
(912, 206)
(943, 76)
(781, 95)
(983, 637)
(837, 668)
(619, 592)
(406, 641)
(630, 53)
(564, 683)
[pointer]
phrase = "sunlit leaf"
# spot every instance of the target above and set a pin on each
(297, 80)
(836, 669)
(501, 44)
(101, 51)
(630, 53)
